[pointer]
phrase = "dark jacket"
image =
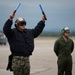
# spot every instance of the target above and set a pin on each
(22, 42)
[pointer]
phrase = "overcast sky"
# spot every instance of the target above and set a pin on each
(60, 13)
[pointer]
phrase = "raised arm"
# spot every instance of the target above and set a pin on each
(7, 26)
(39, 28)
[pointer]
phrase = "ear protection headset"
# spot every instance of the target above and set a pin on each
(19, 21)
(64, 30)
(16, 23)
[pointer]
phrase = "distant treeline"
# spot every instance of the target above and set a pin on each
(54, 34)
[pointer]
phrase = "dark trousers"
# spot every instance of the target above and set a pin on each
(65, 66)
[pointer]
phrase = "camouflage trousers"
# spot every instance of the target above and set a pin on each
(21, 65)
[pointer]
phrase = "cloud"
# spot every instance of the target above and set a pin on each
(59, 12)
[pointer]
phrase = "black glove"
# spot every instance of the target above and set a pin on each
(9, 66)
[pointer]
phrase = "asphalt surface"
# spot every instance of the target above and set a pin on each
(43, 61)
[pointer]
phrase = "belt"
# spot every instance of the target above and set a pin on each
(21, 57)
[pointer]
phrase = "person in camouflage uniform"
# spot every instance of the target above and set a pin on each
(63, 48)
(21, 42)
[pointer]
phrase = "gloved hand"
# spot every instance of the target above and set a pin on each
(9, 66)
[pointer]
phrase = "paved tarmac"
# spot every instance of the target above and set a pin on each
(43, 61)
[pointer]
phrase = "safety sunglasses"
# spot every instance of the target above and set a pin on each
(67, 32)
(22, 23)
